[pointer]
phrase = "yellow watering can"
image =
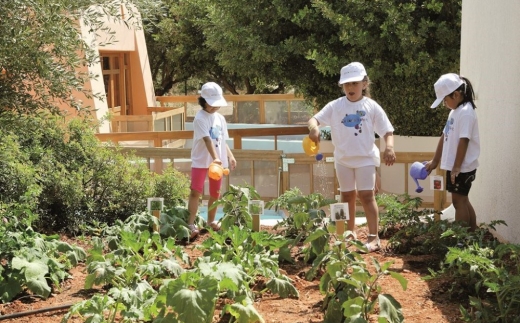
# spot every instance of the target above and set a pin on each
(311, 148)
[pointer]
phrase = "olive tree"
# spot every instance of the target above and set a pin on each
(42, 48)
(276, 45)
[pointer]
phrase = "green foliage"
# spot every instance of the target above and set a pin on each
(30, 261)
(135, 254)
(306, 223)
(276, 46)
(173, 186)
(146, 282)
(59, 171)
(132, 261)
(414, 230)
(485, 271)
(43, 54)
(352, 291)
(306, 214)
(235, 205)
(255, 251)
(474, 263)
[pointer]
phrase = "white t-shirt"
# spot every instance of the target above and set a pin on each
(353, 126)
(462, 123)
(213, 125)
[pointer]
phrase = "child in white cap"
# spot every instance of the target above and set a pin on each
(354, 119)
(209, 146)
(459, 146)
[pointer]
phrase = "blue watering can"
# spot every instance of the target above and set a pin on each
(418, 171)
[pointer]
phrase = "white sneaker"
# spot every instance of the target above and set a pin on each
(194, 231)
(215, 226)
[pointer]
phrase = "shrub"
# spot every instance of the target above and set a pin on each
(173, 186)
(18, 179)
(68, 178)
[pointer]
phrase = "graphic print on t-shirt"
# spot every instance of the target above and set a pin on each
(447, 128)
(214, 133)
(354, 121)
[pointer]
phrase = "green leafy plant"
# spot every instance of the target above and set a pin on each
(173, 186)
(352, 291)
(490, 279)
(146, 282)
(33, 262)
(483, 269)
(306, 223)
(305, 213)
(325, 134)
(414, 230)
(132, 261)
(257, 252)
(235, 205)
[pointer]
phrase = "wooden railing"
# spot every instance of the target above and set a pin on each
(270, 172)
(265, 170)
(157, 119)
(251, 108)
(158, 137)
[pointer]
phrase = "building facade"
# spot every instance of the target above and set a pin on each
(490, 51)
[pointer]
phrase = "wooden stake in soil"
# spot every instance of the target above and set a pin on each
(256, 222)
(340, 227)
(155, 206)
(256, 209)
(157, 214)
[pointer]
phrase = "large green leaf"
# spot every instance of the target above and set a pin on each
(9, 288)
(39, 286)
(300, 219)
(172, 266)
(282, 287)
(400, 278)
(390, 309)
(245, 313)
(353, 308)
(284, 254)
(99, 272)
(230, 276)
(194, 305)
(30, 269)
(315, 235)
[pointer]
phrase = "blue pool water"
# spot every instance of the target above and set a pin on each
(269, 215)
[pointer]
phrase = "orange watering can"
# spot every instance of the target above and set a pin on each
(216, 171)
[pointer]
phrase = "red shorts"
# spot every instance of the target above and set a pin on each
(198, 176)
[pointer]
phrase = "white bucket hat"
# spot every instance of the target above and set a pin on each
(444, 86)
(353, 72)
(212, 93)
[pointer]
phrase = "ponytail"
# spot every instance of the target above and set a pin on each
(467, 92)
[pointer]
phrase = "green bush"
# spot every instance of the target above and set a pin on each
(18, 179)
(173, 186)
(60, 169)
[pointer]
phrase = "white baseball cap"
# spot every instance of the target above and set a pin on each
(353, 72)
(212, 93)
(444, 86)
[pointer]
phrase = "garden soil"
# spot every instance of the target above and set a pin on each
(422, 302)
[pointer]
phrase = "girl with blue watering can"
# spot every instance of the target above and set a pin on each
(459, 146)
(354, 119)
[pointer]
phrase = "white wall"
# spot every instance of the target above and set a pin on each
(490, 59)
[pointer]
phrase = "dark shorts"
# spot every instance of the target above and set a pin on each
(462, 182)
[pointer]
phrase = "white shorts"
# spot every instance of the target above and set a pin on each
(361, 178)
